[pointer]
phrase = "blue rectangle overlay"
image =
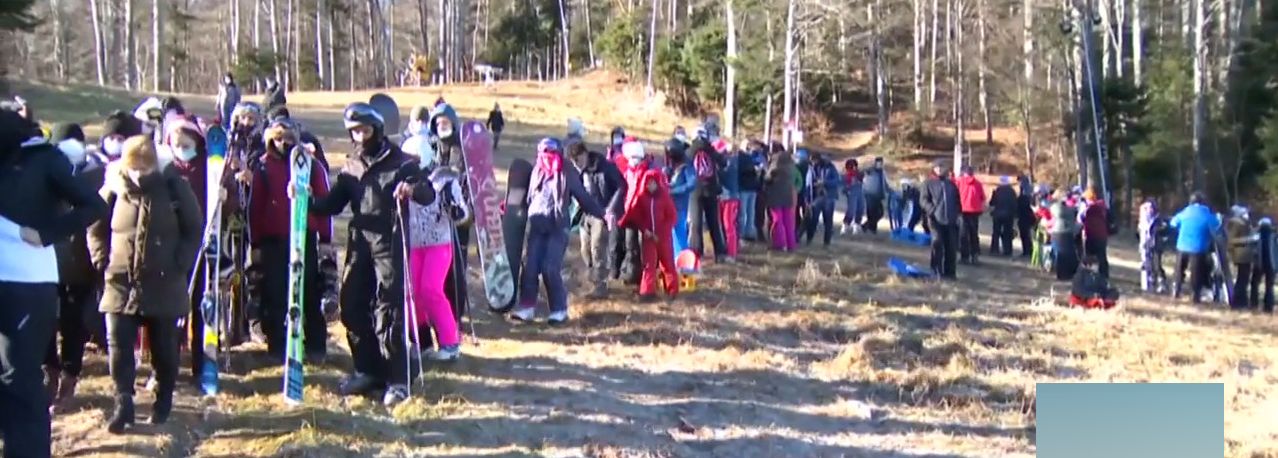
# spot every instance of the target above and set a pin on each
(1096, 420)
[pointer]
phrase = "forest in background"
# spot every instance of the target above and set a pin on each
(1185, 86)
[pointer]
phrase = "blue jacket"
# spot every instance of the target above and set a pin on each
(731, 176)
(822, 181)
(682, 181)
(1197, 227)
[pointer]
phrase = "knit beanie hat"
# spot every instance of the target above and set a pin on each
(66, 131)
(179, 126)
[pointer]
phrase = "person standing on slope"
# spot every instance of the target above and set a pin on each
(1003, 204)
(1025, 218)
(683, 182)
(1095, 221)
(377, 176)
(1262, 278)
(877, 190)
(78, 281)
(1241, 240)
(432, 229)
(146, 247)
(496, 124)
(779, 196)
(444, 128)
(607, 186)
(1064, 230)
(941, 203)
(228, 97)
(703, 208)
(854, 192)
(269, 214)
(552, 189)
(652, 213)
(1196, 227)
(972, 199)
(275, 96)
(730, 201)
(628, 263)
(822, 189)
(751, 183)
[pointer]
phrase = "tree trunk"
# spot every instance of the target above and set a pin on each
(443, 55)
(919, 31)
(876, 55)
(652, 47)
(234, 39)
(1107, 43)
(787, 101)
(1138, 45)
(1120, 35)
(59, 40)
(99, 53)
(957, 75)
(423, 24)
(130, 50)
(319, 44)
(983, 96)
(350, 39)
(156, 22)
(563, 33)
(931, 88)
(730, 74)
(275, 38)
(332, 61)
(1200, 94)
(767, 120)
(590, 34)
(289, 47)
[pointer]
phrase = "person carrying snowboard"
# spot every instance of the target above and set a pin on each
(376, 176)
(652, 213)
(605, 184)
(269, 230)
(432, 229)
(228, 97)
(1003, 211)
(683, 181)
(552, 190)
(146, 247)
(496, 124)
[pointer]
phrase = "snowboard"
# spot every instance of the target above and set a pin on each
(211, 303)
(389, 110)
(477, 148)
(1221, 258)
(294, 351)
(514, 222)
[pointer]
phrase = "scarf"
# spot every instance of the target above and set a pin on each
(550, 163)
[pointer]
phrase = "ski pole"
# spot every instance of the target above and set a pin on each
(412, 333)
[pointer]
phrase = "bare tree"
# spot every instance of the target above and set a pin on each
(1200, 93)
(275, 37)
(931, 90)
(131, 80)
(1138, 42)
(957, 82)
(156, 22)
(652, 46)
(919, 31)
(99, 53)
(319, 43)
(563, 33)
(787, 104)
(730, 73)
(332, 58)
(983, 93)
(590, 33)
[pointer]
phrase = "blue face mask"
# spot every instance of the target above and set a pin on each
(185, 154)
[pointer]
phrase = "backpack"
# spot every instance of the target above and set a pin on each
(704, 167)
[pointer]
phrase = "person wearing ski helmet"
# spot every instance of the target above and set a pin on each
(433, 271)
(376, 178)
(552, 189)
(269, 231)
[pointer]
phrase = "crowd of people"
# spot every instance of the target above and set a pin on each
(101, 242)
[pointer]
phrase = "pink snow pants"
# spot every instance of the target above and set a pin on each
(428, 271)
(784, 236)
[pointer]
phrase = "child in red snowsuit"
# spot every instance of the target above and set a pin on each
(652, 212)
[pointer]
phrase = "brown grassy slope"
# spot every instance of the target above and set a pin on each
(809, 354)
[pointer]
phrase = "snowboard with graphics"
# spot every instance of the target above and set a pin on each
(477, 148)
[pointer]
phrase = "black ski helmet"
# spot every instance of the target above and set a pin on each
(362, 114)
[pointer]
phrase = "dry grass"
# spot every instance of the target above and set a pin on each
(819, 353)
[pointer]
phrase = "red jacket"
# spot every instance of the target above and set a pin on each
(971, 194)
(634, 178)
(651, 211)
(269, 206)
(1095, 223)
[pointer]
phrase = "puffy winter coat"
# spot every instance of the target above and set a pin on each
(1196, 227)
(971, 194)
(1095, 221)
(778, 188)
(1003, 202)
(875, 184)
(604, 182)
(652, 211)
(940, 200)
(1064, 218)
(269, 208)
(433, 224)
(146, 247)
(1242, 240)
(367, 185)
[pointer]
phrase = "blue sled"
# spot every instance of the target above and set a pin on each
(909, 237)
(907, 270)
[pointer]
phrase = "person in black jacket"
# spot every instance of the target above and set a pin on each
(1003, 211)
(703, 209)
(496, 123)
(41, 203)
(751, 183)
(876, 188)
(603, 182)
(941, 203)
(1265, 268)
(377, 175)
(1025, 218)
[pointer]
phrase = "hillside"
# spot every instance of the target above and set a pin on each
(814, 353)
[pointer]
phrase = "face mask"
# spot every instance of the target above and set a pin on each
(652, 187)
(445, 132)
(616, 141)
(73, 150)
(185, 154)
(112, 147)
(633, 161)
